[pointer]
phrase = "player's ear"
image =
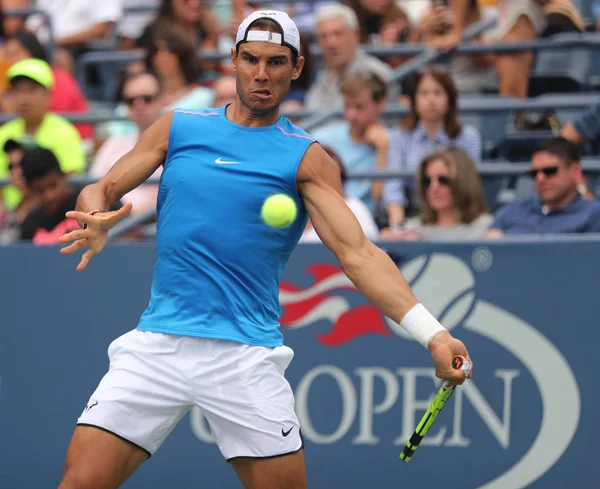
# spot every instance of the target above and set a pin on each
(298, 68)
(233, 58)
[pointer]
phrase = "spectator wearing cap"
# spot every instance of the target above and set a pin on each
(10, 220)
(30, 83)
(67, 95)
(46, 180)
(338, 36)
(558, 207)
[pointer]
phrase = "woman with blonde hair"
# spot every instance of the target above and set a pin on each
(451, 195)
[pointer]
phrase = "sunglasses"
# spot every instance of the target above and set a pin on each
(548, 171)
(146, 98)
(442, 180)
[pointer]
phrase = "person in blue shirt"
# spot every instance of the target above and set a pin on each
(210, 336)
(558, 207)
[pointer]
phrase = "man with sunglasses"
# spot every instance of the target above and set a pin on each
(558, 207)
(210, 336)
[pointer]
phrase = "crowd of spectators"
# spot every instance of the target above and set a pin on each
(40, 79)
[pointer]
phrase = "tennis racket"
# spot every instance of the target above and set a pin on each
(442, 396)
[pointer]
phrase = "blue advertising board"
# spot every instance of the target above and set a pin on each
(528, 311)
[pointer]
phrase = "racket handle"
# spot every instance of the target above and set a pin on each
(461, 363)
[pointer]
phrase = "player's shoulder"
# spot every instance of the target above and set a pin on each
(195, 113)
(289, 129)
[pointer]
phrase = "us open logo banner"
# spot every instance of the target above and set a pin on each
(361, 383)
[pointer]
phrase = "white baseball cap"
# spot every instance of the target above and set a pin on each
(289, 37)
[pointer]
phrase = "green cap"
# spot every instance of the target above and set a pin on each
(35, 69)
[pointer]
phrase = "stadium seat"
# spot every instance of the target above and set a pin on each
(560, 70)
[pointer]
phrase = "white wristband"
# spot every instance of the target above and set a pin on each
(421, 325)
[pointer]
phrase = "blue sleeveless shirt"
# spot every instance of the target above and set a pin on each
(218, 265)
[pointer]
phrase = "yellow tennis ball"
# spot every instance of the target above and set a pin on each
(279, 211)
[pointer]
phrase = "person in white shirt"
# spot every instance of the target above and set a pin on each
(76, 22)
(357, 206)
(141, 94)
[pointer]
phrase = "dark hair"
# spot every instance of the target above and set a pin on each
(37, 163)
(452, 125)
(335, 157)
(31, 43)
(181, 44)
(270, 25)
(356, 81)
(561, 147)
(11, 145)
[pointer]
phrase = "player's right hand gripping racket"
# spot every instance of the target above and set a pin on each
(458, 362)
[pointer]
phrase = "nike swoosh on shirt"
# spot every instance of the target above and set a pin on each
(218, 161)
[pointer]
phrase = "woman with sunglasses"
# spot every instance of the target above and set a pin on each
(434, 123)
(453, 205)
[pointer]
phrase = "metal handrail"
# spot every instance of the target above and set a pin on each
(489, 168)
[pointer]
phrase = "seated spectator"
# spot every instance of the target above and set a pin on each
(558, 206)
(67, 96)
(302, 13)
(453, 203)
(361, 141)
(470, 73)
(173, 59)
(10, 220)
(45, 179)
(30, 83)
(380, 22)
(435, 123)
(357, 206)
(141, 92)
(224, 90)
(191, 18)
(14, 23)
(178, 68)
(132, 24)
(338, 35)
(76, 24)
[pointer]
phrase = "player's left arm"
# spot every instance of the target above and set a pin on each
(366, 265)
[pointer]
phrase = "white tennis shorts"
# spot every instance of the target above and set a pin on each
(154, 379)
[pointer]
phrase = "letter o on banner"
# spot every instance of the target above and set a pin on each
(349, 404)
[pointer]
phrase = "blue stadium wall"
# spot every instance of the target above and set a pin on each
(529, 417)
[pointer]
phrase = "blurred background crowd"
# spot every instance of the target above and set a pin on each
(80, 79)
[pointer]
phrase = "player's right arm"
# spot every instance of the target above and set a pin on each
(366, 265)
(131, 170)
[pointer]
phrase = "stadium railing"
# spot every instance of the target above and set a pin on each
(466, 105)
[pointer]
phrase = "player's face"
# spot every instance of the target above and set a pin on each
(438, 186)
(264, 72)
(555, 181)
(52, 190)
(431, 100)
(361, 110)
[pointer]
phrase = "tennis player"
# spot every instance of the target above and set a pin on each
(210, 335)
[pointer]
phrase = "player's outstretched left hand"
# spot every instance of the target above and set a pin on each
(443, 348)
(95, 235)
